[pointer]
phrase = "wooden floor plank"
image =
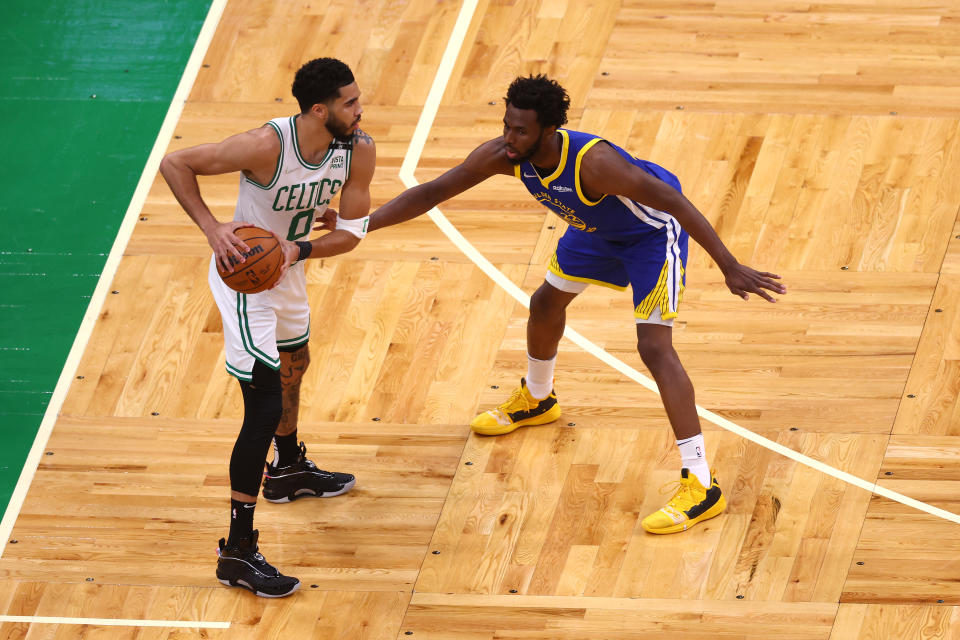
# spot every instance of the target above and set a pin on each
(317, 612)
(903, 556)
(488, 617)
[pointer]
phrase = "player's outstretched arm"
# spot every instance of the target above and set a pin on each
(483, 162)
(253, 152)
(604, 171)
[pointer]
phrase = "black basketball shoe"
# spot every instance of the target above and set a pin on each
(242, 565)
(283, 484)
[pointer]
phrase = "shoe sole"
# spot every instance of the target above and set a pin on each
(261, 594)
(325, 494)
(500, 429)
(712, 512)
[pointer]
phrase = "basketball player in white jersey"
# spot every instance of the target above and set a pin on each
(290, 169)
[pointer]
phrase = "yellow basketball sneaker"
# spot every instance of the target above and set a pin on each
(692, 503)
(520, 410)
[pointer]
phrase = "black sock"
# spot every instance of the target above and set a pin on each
(286, 450)
(241, 521)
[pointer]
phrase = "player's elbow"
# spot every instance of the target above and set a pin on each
(166, 165)
(171, 164)
(345, 241)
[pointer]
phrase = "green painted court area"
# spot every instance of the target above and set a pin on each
(84, 88)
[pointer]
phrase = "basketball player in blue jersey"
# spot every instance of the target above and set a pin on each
(628, 225)
(290, 169)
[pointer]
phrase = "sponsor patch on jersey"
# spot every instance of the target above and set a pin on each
(337, 162)
(558, 187)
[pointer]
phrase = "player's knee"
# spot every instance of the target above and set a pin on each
(263, 398)
(655, 352)
(544, 303)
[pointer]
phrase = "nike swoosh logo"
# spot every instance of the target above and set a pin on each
(527, 175)
(249, 506)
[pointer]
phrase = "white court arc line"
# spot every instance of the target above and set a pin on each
(116, 622)
(410, 161)
(93, 311)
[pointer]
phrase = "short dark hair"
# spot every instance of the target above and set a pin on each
(543, 95)
(319, 81)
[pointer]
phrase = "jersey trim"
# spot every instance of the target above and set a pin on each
(653, 217)
(296, 148)
(555, 269)
(245, 376)
(349, 159)
(295, 342)
(247, 337)
(276, 174)
(576, 174)
(564, 148)
(516, 171)
(666, 296)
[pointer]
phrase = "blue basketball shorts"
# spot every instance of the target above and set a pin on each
(653, 264)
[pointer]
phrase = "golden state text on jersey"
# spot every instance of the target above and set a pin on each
(611, 217)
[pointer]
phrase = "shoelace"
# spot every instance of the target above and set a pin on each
(516, 397)
(683, 490)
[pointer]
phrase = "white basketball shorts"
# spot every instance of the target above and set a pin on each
(256, 324)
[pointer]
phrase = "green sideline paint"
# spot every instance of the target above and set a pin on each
(84, 88)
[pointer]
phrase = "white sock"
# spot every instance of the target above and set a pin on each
(540, 376)
(693, 454)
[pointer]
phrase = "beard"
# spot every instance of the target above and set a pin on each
(520, 159)
(339, 129)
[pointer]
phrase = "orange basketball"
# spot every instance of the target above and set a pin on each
(262, 268)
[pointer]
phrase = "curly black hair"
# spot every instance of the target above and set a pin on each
(543, 95)
(319, 81)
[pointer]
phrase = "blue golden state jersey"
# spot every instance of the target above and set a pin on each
(611, 217)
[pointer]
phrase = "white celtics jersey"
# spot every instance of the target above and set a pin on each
(288, 204)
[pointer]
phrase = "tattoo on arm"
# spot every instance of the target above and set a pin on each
(361, 136)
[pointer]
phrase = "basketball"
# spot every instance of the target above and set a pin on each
(262, 268)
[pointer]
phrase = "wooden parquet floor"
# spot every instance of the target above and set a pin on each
(821, 140)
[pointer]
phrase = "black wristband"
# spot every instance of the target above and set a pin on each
(305, 249)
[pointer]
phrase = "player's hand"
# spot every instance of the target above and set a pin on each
(327, 221)
(226, 245)
(291, 253)
(742, 281)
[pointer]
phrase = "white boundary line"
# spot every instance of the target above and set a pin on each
(93, 311)
(115, 622)
(410, 161)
